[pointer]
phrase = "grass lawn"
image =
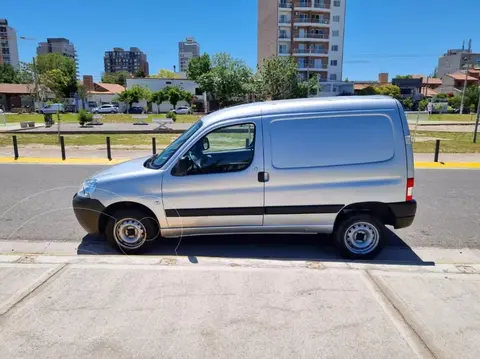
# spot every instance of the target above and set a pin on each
(455, 142)
(452, 117)
(89, 140)
(107, 118)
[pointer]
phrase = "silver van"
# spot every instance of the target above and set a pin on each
(339, 165)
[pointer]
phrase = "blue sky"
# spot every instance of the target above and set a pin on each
(399, 37)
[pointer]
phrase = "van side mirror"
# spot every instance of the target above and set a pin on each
(181, 168)
(205, 143)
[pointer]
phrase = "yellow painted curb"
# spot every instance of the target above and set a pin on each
(105, 161)
(457, 165)
(68, 161)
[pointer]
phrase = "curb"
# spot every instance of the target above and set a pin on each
(105, 161)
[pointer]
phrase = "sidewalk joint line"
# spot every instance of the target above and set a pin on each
(406, 330)
(26, 295)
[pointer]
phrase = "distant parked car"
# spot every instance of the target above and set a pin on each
(182, 110)
(136, 110)
(109, 108)
(53, 108)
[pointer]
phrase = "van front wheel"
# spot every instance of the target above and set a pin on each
(131, 230)
(360, 236)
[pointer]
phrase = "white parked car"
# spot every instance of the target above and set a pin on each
(109, 108)
(182, 110)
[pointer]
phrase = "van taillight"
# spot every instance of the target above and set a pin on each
(410, 183)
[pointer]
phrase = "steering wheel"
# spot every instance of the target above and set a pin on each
(197, 163)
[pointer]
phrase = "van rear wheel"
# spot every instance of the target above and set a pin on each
(131, 230)
(360, 236)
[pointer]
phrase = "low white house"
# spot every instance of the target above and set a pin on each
(155, 84)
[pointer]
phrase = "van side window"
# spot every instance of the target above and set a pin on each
(226, 149)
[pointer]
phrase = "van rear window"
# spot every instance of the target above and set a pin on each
(331, 141)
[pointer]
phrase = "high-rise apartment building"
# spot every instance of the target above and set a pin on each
(312, 31)
(457, 59)
(132, 60)
(60, 46)
(187, 50)
(8, 44)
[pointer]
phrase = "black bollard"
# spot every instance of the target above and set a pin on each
(109, 150)
(15, 147)
(437, 150)
(62, 147)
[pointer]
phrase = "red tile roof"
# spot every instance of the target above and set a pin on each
(428, 92)
(16, 88)
(111, 88)
(460, 76)
(362, 85)
(432, 81)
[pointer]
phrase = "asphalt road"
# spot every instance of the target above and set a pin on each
(35, 204)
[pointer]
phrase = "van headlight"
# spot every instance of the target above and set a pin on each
(88, 187)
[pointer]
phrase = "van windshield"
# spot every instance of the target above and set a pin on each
(158, 160)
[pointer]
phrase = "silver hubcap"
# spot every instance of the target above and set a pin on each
(130, 233)
(361, 238)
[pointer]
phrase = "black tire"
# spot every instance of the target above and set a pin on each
(120, 217)
(370, 226)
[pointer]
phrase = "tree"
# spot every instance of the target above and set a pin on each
(404, 77)
(228, 79)
(119, 78)
(57, 82)
(422, 105)
(159, 97)
(58, 73)
(82, 93)
(471, 97)
(186, 96)
(407, 103)
(8, 74)
(174, 95)
(388, 90)
(140, 74)
(278, 79)
(455, 101)
(135, 94)
(166, 74)
(369, 90)
(198, 66)
(25, 73)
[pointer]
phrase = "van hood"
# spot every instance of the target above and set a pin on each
(130, 168)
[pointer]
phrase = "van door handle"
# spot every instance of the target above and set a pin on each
(263, 177)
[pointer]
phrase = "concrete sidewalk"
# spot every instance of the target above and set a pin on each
(175, 307)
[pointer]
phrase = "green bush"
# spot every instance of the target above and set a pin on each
(422, 105)
(84, 117)
(172, 115)
(47, 117)
(473, 108)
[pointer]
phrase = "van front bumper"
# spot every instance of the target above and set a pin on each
(403, 213)
(88, 212)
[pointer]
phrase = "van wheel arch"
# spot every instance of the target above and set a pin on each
(379, 210)
(115, 207)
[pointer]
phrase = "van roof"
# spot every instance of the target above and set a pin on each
(306, 105)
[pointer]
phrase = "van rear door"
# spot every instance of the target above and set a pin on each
(317, 164)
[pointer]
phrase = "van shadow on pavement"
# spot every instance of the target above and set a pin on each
(273, 247)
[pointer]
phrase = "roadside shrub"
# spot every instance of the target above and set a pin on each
(47, 117)
(422, 105)
(172, 115)
(84, 117)
(473, 108)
